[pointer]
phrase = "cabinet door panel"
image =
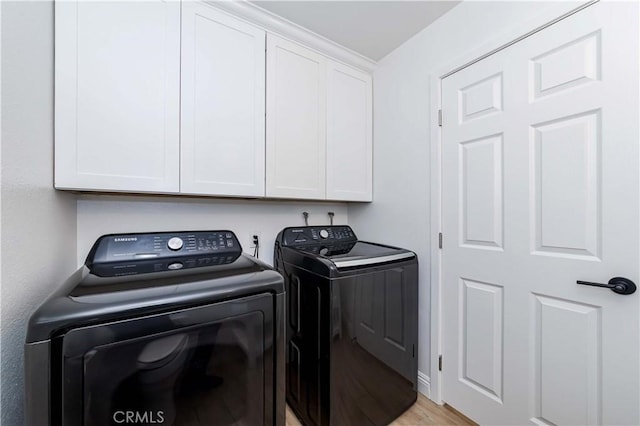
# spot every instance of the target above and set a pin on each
(349, 134)
(295, 121)
(223, 90)
(117, 77)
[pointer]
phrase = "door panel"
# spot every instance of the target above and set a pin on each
(382, 310)
(223, 95)
(395, 321)
(566, 214)
(575, 63)
(117, 96)
(567, 362)
(540, 189)
(296, 121)
(349, 133)
(481, 191)
(481, 98)
(482, 335)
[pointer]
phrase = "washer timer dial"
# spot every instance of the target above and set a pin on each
(324, 233)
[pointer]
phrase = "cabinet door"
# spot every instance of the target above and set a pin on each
(223, 90)
(295, 121)
(349, 134)
(117, 83)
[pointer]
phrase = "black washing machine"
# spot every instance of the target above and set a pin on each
(352, 327)
(167, 328)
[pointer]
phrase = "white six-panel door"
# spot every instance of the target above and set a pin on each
(117, 95)
(223, 96)
(540, 189)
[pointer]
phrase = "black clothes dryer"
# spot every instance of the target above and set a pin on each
(352, 326)
(167, 328)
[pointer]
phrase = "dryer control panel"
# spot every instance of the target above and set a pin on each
(139, 247)
(305, 235)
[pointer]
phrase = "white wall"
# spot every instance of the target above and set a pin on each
(400, 213)
(38, 223)
(98, 215)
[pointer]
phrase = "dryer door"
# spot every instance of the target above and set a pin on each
(203, 365)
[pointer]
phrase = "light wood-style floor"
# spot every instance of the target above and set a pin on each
(424, 412)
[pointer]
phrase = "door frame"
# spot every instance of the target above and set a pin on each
(511, 35)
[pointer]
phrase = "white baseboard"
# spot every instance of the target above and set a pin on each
(424, 384)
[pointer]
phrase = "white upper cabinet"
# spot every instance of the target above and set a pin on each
(180, 97)
(223, 104)
(349, 133)
(296, 123)
(319, 126)
(117, 96)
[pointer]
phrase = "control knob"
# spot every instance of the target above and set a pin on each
(324, 233)
(175, 243)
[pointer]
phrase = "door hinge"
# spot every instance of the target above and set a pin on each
(440, 363)
(440, 117)
(413, 351)
(440, 240)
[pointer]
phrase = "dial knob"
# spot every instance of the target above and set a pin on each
(175, 243)
(324, 233)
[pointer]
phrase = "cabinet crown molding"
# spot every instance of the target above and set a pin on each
(294, 32)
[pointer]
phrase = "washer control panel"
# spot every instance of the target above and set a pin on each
(305, 235)
(133, 247)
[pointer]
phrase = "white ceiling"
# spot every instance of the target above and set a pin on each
(371, 28)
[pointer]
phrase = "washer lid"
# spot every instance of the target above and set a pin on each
(359, 254)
